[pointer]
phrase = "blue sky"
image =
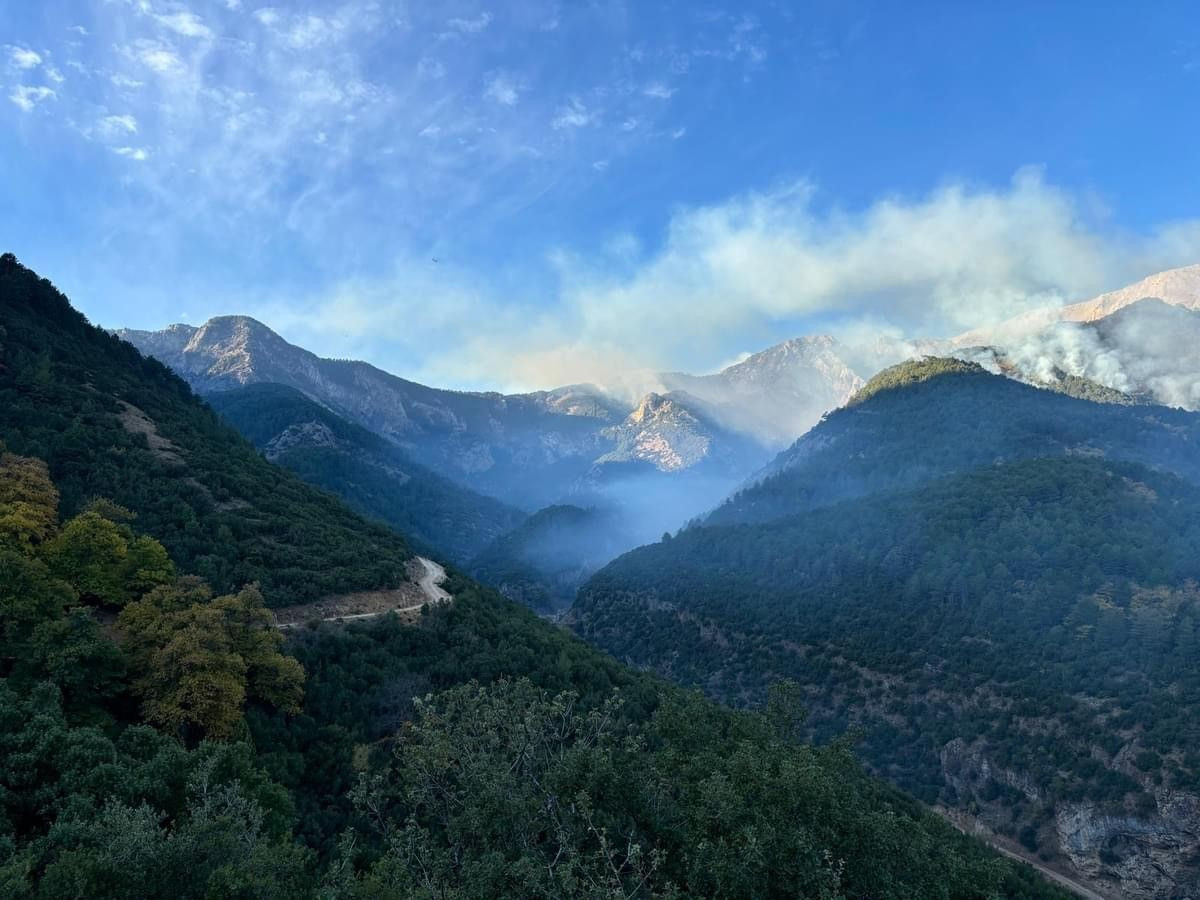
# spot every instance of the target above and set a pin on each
(604, 186)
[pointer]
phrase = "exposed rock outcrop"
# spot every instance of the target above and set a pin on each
(1156, 856)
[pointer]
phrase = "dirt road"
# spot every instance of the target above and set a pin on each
(1058, 878)
(431, 581)
(428, 581)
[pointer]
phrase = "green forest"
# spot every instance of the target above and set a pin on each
(113, 424)
(373, 476)
(160, 738)
(1044, 612)
(927, 418)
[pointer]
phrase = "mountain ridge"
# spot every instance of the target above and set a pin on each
(994, 582)
(370, 473)
(1176, 287)
(939, 401)
(539, 448)
(112, 423)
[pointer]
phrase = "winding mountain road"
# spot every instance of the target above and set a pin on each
(429, 581)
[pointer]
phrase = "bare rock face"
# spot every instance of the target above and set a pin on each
(662, 431)
(967, 768)
(1178, 287)
(305, 434)
(1132, 855)
(1156, 856)
(778, 394)
(530, 449)
(524, 448)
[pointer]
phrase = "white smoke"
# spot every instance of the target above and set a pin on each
(739, 276)
(1149, 350)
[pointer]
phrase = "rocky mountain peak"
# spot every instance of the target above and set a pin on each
(660, 408)
(224, 336)
(777, 394)
(1177, 287)
(661, 431)
(231, 328)
(811, 361)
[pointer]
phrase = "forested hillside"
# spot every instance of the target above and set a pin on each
(923, 419)
(159, 739)
(111, 423)
(1016, 640)
(526, 449)
(371, 474)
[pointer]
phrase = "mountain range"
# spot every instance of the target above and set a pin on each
(533, 449)
(646, 467)
(163, 736)
(992, 581)
(642, 466)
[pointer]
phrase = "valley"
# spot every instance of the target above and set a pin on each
(795, 518)
(162, 737)
(599, 450)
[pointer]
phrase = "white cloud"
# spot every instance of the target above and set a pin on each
(309, 31)
(470, 26)
(124, 81)
(573, 115)
(112, 125)
(135, 153)
(503, 89)
(305, 31)
(24, 58)
(79, 30)
(185, 23)
(159, 58)
(658, 91)
(28, 96)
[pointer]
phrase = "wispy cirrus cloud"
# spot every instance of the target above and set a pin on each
(110, 126)
(28, 96)
(186, 23)
(573, 114)
(158, 57)
(502, 88)
(23, 57)
(470, 25)
(138, 154)
(274, 109)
